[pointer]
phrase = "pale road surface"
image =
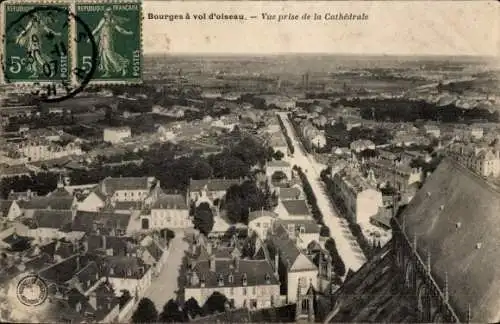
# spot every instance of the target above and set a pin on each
(164, 286)
(346, 243)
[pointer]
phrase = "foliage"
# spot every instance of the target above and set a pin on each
(311, 198)
(324, 231)
(172, 313)
(278, 155)
(146, 312)
(338, 263)
(192, 308)
(125, 297)
(216, 303)
(245, 197)
(287, 136)
(203, 218)
(167, 233)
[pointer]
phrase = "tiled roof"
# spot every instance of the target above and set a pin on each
(110, 185)
(170, 202)
(288, 251)
(371, 296)
(289, 193)
(127, 205)
(454, 217)
(261, 213)
(84, 221)
(5, 207)
(59, 192)
(125, 266)
(212, 184)
(52, 218)
(278, 163)
(296, 207)
(256, 272)
(58, 203)
(119, 245)
(310, 226)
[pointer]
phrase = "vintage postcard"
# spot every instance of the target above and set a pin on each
(249, 161)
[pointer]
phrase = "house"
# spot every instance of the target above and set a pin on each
(116, 134)
(123, 189)
(154, 253)
(358, 198)
(312, 135)
(278, 166)
(432, 130)
(301, 231)
(47, 203)
(168, 211)
(296, 270)
(22, 195)
(9, 210)
(291, 193)
(293, 209)
(101, 223)
(47, 225)
(249, 283)
(278, 142)
(260, 222)
(361, 145)
(209, 190)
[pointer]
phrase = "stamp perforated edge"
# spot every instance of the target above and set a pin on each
(96, 83)
(23, 85)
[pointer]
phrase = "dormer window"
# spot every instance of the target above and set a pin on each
(111, 271)
(78, 307)
(202, 282)
(268, 278)
(129, 272)
(220, 280)
(244, 279)
(302, 230)
(231, 278)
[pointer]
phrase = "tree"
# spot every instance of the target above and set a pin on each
(192, 308)
(125, 297)
(338, 264)
(324, 231)
(146, 312)
(203, 218)
(242, 198)
(278, 176)
(216, 303)
(278, 155)
(172, 313)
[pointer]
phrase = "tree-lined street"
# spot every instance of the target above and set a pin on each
(346, 243)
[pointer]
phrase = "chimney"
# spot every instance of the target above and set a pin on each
(276, 263)
(212, 263)
(93, 300)
(236, 263)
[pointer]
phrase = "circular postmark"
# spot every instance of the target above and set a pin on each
(42, 38)
(32, 291)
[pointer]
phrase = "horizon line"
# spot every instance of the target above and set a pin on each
(317, 54)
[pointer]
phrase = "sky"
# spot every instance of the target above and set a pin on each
(393, 28)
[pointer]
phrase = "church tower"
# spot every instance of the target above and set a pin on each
(305, 305)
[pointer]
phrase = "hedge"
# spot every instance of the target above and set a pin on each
(287, 137)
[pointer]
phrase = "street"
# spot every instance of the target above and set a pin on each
(164, 287)
(346, 243)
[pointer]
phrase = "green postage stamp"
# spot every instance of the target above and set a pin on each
(71, 42)
(117, 32)
(35, 43)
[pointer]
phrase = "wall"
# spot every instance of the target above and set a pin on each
(367, 205)
(126, 311)
(91, 204)
(171, 218)
(293, 283)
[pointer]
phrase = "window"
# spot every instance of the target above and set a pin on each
(125, 194)
(291, 227)
(244, 279)
(231, 278)
(302, 230)
(132, 194)
(254, 290)
(244, 291)
(220, 280)
(265, 225)
(257, 224)
(302, 281)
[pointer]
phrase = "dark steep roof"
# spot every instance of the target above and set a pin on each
(59, 203)
(455, 218)
(170, 202)
(52, 218)
(5, 207)
(212, 184)
(110, 185)
(374, 294)
(296, 207)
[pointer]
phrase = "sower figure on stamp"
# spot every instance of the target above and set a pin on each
(110, 61)
(31, 38)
